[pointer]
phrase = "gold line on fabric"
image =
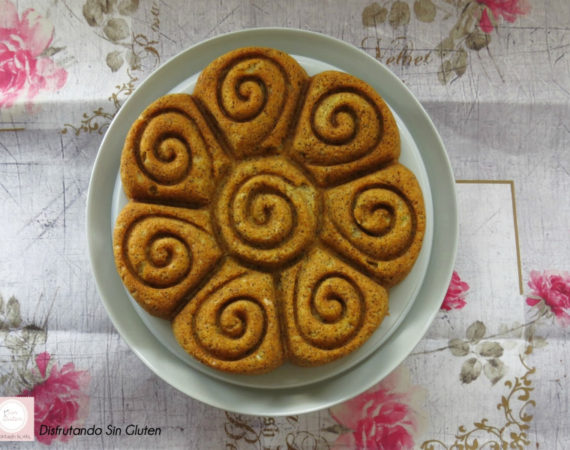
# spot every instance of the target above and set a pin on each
(511, 183)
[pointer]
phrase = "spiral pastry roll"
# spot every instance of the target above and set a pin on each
(378, 222)
(344, 130)
(252, 94)
(170, 154)
(267, 212)
(232, 324)
(329, 309)
(162, 253)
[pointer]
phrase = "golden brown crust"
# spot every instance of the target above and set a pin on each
(252, 94)
(280, 214)
(377, 221)
(162, 253)
(344, 129)
(329, 309)
(170, 154)
(231, 324)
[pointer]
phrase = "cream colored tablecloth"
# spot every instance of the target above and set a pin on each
(491, 372)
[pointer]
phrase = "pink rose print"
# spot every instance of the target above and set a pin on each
(387, 416)
(554, 289)
(508, 9)
(23, 71)
(59, 400)
(454, 298)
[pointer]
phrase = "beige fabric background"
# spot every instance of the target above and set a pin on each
(503, 113)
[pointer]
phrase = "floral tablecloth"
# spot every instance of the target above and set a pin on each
(492, 370)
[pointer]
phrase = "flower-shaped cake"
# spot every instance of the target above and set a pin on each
(268, 213)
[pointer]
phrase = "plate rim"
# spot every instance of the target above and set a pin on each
(129, 326)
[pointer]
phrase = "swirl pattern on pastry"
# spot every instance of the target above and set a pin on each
(232, 323)
(276, 213)
(252, 94)
(330, 308)
(377, 221)
(345, 129)
(162, 253)
(170, 154)
(267, 212)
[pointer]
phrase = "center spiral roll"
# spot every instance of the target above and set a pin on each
(267, 212)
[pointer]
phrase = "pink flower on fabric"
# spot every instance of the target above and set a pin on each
(23, 71)
(59, 400)
(508, 9)
(554, 289)
(387, 416)
(454, 298)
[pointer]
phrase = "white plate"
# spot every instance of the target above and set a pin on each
(401, 297)
(306, 390)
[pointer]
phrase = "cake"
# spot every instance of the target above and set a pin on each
(268, 213)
